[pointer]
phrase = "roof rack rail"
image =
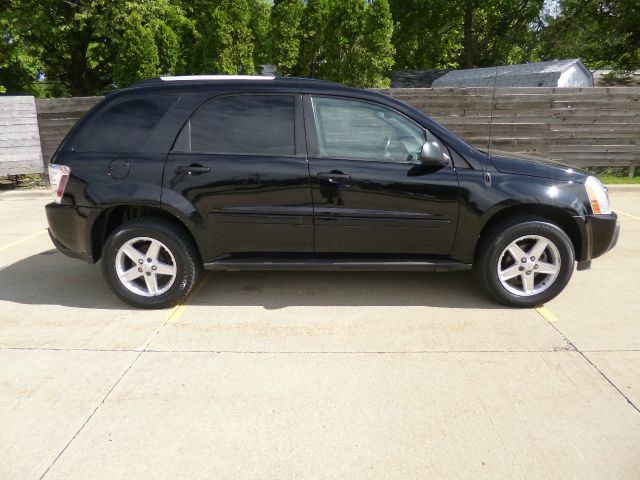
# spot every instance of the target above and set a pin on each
(198, 78)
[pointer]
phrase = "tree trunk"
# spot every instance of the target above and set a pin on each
(467, 42)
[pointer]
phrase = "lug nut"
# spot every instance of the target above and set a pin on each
(524, 260)
(140, 270)
(533, 259)
(155, 268)
(528, 273)
(149, 260)
(521, 268)
(140, 261)
(149, 274)
(535, 266)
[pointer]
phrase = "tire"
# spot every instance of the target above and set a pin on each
(151, 262)
(507, 267)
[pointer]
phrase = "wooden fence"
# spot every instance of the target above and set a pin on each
(57, 116)
(583, 127)
(578, 126)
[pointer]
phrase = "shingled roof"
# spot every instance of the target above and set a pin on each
(541, 74)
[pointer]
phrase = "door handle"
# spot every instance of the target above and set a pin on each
(192, 170)
(335, 177)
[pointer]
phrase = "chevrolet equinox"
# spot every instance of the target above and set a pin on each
(177, 174)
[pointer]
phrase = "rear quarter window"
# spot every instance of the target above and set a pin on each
(121, 126)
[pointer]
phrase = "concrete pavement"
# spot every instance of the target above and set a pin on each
(314, 375)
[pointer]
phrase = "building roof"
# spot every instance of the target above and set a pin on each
(415, 78)
(541, 74)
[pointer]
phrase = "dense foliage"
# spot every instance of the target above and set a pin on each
(82, 47)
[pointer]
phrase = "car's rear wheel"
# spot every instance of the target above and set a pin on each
(150, 262)
(525, 263)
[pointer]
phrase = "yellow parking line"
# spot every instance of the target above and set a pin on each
(628, 215)
(546, 314)
(176, 312)
(22, 240)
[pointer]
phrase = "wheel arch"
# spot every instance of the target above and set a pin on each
(555, 215)
(112, 217)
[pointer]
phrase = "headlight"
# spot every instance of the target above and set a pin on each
(598, 196)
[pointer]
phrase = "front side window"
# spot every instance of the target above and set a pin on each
(122, 126)
(358, 130)
(242, 125)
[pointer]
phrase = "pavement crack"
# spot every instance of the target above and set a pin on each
(602, 374)
(173, 313)
(88, 419)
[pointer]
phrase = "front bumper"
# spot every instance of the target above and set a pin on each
(68, 229)
(603, 233)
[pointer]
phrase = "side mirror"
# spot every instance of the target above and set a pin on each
(432, 155)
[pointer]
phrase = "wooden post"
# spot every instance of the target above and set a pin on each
(632, 169)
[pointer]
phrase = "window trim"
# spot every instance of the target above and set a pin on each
(300, 149)
(313, 142)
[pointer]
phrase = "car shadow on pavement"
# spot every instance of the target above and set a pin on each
(281, 289)
(49, 278)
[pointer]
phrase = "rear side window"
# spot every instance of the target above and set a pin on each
(242, 124)
(122, 126)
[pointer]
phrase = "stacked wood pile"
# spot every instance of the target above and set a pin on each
(19, 140)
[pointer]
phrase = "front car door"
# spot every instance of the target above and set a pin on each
(241, 161)
(370, 191)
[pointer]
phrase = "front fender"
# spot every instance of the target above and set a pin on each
(483, 203)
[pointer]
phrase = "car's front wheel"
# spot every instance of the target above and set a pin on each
(525, 263)
(150, 262)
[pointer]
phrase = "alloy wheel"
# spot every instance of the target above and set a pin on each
(529, 265)
(145, 266)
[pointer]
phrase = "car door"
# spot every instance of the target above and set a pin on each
(241, 161)
(370, 191)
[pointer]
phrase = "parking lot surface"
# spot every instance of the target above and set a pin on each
(314, 375)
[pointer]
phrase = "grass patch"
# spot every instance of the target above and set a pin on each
(35, 180)
(615, 180)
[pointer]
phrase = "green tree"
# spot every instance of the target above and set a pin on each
(285, 35)
(78, 45)
(345, 46)
(137, 56)
(260, 26)
(19, 64)
(227, 44)
(603, 33)
(312, 38)
(427, 34)
(500, 31)
(465, 33)
(358, 50)
(168, 47)
(379, 51)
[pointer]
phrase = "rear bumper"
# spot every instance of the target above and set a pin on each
(68, 231)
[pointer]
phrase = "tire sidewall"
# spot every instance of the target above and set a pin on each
(123, 235)
(495, 249)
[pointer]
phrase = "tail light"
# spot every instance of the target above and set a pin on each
(58, 176)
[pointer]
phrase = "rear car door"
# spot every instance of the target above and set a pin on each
(370, 190)
(241, 161)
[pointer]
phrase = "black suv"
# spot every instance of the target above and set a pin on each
(177, 174)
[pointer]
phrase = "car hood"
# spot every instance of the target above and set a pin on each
(527, 165)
